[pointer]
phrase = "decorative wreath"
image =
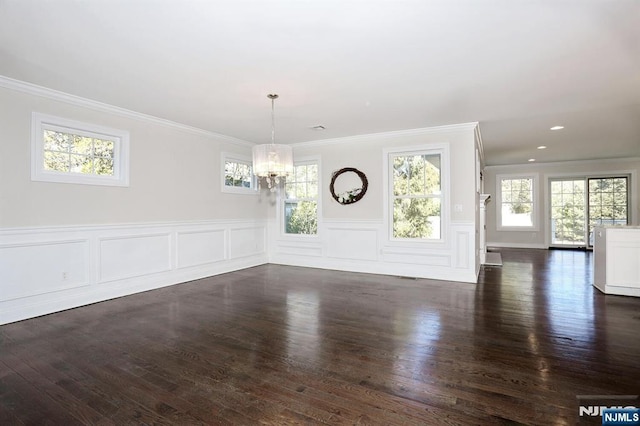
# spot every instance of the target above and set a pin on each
(353, 195)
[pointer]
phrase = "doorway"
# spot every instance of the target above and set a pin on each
(580, 203)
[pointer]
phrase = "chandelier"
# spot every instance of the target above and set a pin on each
(272, 162)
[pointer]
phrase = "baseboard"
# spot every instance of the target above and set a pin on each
(516, 245)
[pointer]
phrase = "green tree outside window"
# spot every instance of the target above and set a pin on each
(69, 153)
(417, 196)
(301, 200)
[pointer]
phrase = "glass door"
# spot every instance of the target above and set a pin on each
(568, 207)
(608, 202)
(579, 204)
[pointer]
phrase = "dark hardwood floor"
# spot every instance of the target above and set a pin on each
(286, 345)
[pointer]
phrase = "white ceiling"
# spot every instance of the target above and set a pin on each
(356, 67)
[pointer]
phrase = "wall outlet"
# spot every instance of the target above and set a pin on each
(65, 275)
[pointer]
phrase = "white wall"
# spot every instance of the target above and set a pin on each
(354, 237)
(545, 171)
(365, 153)
(175, 173)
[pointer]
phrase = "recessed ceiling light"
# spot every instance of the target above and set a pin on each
(542, 147)
(557, 128)
(531, 160)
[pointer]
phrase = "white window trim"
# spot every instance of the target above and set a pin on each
(436, 148)
(40, 122)
(282, 198)
(226, 156)
(535, 213)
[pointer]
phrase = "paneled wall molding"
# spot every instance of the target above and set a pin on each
(361, 246)
(146, 254)
(48, 269)
(44, 92)
(200, 247)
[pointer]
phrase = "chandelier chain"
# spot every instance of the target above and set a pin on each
(273, 122)
(273, 98)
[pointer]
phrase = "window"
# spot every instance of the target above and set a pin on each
(516, 203)
(608, 202)
(567, 211)
(237, 175)
(580, 203)
(416, 195)
(301, 200)
(68, 151)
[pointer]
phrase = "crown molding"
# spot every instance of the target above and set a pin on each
(388, 135)
(56, 95)
(536, 164)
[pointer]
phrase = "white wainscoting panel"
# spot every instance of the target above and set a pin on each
(44, 270)
(247, 241)
(362, 246)
(196, 248)
(352, 243)
(32, 268)
(134, 256)
(462, 257)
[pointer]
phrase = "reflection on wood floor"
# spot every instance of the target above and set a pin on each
(285, 345)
